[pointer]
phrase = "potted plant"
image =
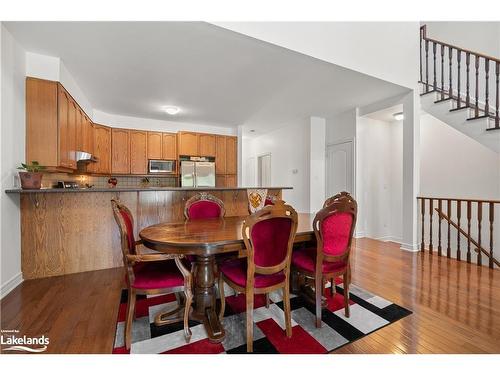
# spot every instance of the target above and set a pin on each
(31, 178)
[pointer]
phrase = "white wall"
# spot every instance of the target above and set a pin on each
(386, 50)
(317, 163)
(129, 122)
(289, 148)
(379, 179)
(12, 143)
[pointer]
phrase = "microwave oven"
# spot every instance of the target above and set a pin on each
(162, 166)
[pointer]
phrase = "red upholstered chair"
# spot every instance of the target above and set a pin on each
(334, 227)
(204, 206)
(150, 273)
(268, 235)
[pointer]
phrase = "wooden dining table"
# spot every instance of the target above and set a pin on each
(204, 239)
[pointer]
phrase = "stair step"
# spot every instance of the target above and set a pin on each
(477, 118)
(428, 92)
(459, 108)
(442, 100)
(494, 128)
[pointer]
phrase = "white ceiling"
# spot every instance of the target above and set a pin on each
(214, 75)
(386, 114)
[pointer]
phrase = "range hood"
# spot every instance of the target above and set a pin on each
(85, 157)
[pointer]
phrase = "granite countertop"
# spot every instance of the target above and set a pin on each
(111, 190)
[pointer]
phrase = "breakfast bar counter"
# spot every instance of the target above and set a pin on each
(73, 230)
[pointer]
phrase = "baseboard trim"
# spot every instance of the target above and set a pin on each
(390, 239)
(410, 247)
(359, 235)
(10, 285)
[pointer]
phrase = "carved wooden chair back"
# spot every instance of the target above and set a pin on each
(334, 228)
(204, 206)
(269, 235)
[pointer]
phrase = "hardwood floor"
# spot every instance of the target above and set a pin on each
(456, 306)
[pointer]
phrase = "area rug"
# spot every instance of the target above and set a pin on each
(368, 314)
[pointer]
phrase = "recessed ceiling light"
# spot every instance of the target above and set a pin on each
(171, 110)
(398, 116)
(252, 130)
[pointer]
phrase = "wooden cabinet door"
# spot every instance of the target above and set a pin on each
(63, 129)
(231, 180)
(87, 136)
(231, 155)
(154, 145)
(206, 145)
(169, 146)
(102, 149)
(220, 180)
(79, 130)
(138, 152)
(220, 154)
(72, 127)
(120, 151)
(42, 121)
(188, 144)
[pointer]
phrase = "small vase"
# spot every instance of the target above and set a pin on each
(31, 180)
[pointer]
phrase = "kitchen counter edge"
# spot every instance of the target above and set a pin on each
(112, 190)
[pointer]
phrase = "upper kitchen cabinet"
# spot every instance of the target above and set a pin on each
(102, 150)
(138, 152)
(120, 151)
(169, 146)
(231, 155)
(56, 126)
(187, 143)
(154, 145)
(206, 145)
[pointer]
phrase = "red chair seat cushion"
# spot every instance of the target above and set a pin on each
(305, 259)
(157, 275)
(236, 271)
(204, 210)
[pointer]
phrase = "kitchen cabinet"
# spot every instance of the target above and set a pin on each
(71, 135)
(169, 146)
(102, 150)
(206, 145)
(220, 154)
(138, 152)
(220, 181)
(231, 180)
(154, 145)
(64, 105)
(187, 144)
(231, 155)
(87, 135)
(120, 151)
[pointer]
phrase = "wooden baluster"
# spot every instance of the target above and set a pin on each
(459, 211)
(476, 110)
(467, 91)
(421, 75)
(422, 245)
(459, 54)
(487, 87)
(497, 73)
(450, 56)
(492, 218)
(479, 220)
(448, 212)
(440, 206)
(426, 66)
(469, 215)
(442, 71)
(434, 82)
(431, 212)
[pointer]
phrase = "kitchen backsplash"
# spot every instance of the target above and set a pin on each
(50, 179)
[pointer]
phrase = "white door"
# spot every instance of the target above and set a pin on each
(339, 168)
(264, 170)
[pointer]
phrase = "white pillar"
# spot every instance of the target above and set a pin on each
(317, 150)
(411, 169)
(240, 155)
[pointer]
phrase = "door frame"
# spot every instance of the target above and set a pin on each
(353, 155)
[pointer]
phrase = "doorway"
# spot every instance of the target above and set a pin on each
(339, 168)
(264, 170)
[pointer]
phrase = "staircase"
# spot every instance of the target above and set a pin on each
(461, 88)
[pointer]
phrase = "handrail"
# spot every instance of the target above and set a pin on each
(474, 242)
(424, 36)
(462, 199)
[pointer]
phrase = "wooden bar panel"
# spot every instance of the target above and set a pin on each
(448, 212)
(459, 214)
(492, 219)
(431, 213)
(422, 204)
(76, 232)
(440, 208)
(479, 220)
(469, 216)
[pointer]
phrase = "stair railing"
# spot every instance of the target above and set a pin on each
(450, 60)
(469, 210)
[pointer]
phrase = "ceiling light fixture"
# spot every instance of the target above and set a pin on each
(171, 110)
(252, 130)
(398, 116)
